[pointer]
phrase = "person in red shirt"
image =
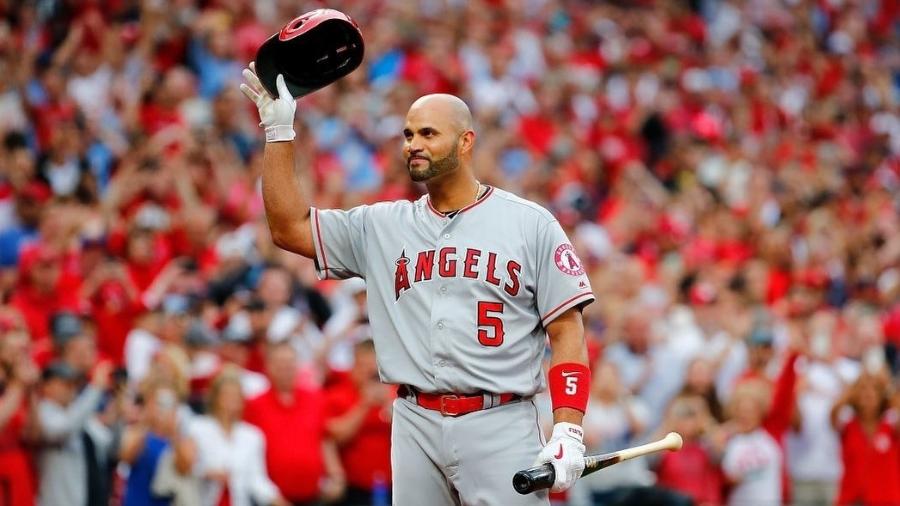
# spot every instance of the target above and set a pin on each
(870, 442)
(114, 304)
(300, 458)
(359, 420)
(693, 470)
(146, 256)
(42, 289)
(18, 377)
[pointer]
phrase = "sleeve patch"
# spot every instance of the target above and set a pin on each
(567, 261)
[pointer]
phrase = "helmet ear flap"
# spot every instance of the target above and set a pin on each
(312, 51)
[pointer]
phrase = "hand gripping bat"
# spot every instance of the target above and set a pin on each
(542, 476)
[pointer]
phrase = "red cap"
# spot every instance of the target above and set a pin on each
(35, 190)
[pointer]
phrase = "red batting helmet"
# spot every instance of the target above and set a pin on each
(312, 51)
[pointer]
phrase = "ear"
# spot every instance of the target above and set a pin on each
(466, 141)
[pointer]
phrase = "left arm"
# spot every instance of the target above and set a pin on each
(570, 381)
(334, 472)
(562, 288)
(567, 345)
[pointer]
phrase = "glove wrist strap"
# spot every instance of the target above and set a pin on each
(569, 430)
(280, 133)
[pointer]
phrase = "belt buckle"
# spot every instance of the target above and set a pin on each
(444, 410)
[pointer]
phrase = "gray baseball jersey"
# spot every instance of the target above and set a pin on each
(456, 304)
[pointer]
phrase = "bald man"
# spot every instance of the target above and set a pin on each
(465, 287)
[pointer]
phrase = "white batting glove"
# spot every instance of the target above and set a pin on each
(276, 115)
(565, 451)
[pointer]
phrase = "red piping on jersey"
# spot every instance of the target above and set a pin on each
(562, 305)
(470, 206)
(435, 211)
(321, 244)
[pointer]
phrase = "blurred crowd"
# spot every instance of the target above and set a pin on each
(728, 170)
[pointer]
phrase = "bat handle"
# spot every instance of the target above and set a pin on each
(535, 478)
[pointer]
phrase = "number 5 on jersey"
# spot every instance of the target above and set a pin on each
(488, 317)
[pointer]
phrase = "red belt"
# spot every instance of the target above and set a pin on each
(457, 405)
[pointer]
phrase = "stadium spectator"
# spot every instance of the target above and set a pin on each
(347, 327)
(71, 460)
(74, 344)
(18, 378)
(699, 382)
(358, 409)
(144, 441)
(693, 470)
(43, 290)
(614, 419)
(230, 452)
(728, 171)
(300, 457)
(868, 430)
(813, 446)
(234, 349)
(752, 459)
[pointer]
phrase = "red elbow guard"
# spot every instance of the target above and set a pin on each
(570, 386)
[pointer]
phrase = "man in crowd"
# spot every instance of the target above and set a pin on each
(300, 458)
(71, 461)
(359, 421)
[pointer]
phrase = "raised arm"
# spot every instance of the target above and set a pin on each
(287, 212)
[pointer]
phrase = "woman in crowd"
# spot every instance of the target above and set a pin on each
(870, 442)
(693, 470)
(700, 381)
(144, 442)
(18, 376)
(230, 452)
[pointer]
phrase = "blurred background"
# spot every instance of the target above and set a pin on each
(729, 172)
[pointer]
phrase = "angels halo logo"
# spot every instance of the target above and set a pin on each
(567, 261)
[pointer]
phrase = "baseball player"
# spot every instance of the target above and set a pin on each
(464, 286)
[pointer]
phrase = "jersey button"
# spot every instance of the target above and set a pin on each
(440, 325)
(443, 289)
(446, 236)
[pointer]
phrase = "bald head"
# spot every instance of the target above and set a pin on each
(438, 137)
(449, 107)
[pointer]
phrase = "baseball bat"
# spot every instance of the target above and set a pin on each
(543, 476)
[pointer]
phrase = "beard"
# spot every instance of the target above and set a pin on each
(434, 168)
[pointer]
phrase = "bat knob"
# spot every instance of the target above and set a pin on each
(536, 478)
(523, 483)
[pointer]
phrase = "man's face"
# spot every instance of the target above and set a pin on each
(275, 287)
(59, 390)
(234, 352)
(81, 353)
(365, 367)
(282, 367)
(431, 145)
(45, 275)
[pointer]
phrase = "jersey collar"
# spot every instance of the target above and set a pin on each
(490, 190)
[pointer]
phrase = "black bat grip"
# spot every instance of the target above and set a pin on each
(535, 478)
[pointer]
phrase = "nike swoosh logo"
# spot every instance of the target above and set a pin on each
(560, 454)
(570, 373)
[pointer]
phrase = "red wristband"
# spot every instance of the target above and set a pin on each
(570, 386)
